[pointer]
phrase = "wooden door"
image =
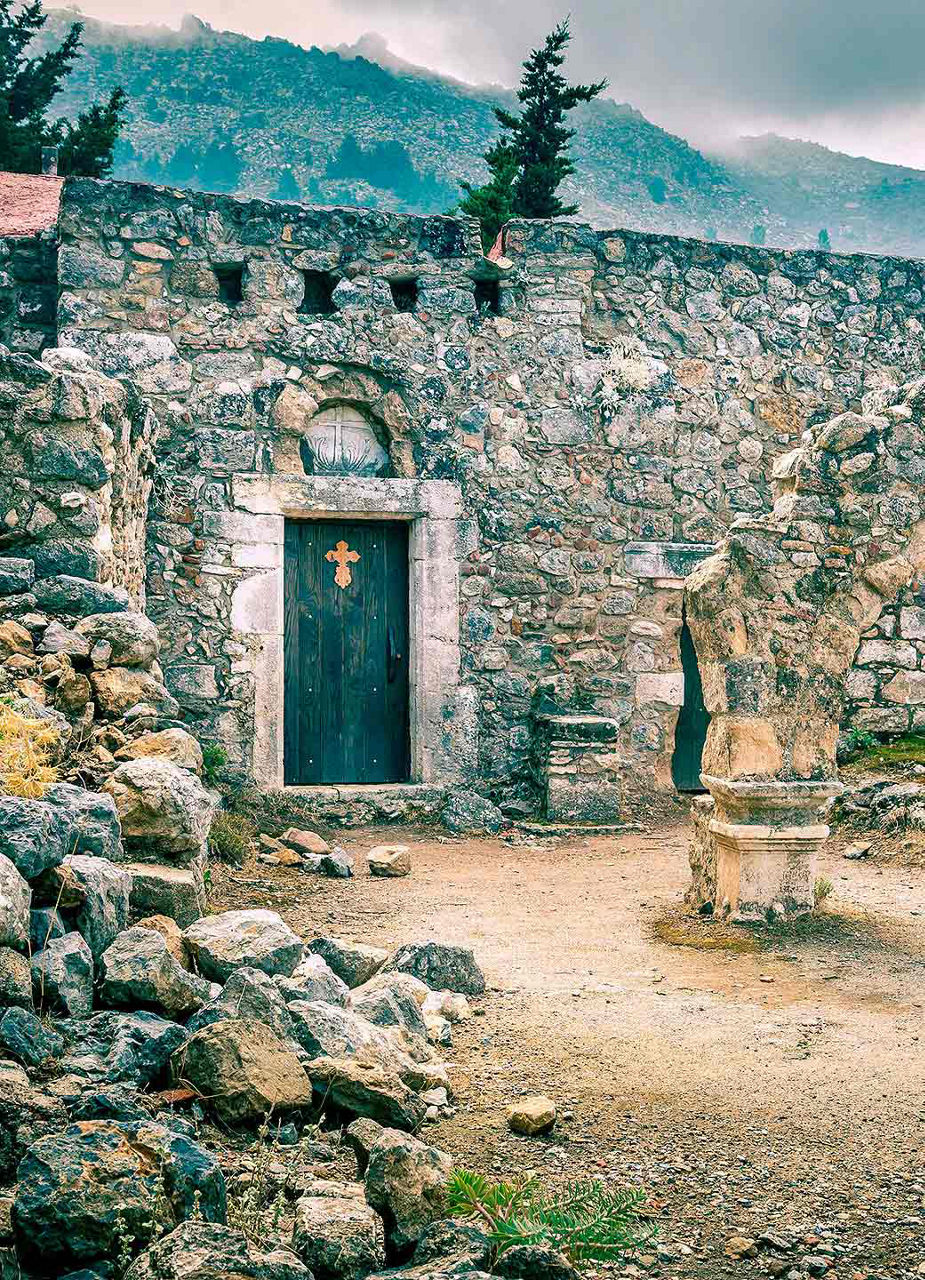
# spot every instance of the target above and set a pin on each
(693, 719)
(346, 652)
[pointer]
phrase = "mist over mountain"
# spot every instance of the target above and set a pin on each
(356, 125)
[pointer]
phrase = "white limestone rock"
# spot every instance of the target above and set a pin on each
(258, 938)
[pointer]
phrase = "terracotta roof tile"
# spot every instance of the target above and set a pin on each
(28, 203)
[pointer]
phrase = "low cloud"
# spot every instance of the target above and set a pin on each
(834, 70)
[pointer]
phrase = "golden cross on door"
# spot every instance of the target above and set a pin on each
(343, 577)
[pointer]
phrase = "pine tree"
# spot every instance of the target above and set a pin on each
(825, 240)
(531, 160)
(27, 87)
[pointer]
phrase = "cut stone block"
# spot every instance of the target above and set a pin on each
(160, 890)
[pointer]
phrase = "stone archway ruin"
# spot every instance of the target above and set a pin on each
(776, 616)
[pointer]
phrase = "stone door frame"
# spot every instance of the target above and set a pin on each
(441, 709)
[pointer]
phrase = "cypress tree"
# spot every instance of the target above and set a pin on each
(531, 160)
(28, 86)
(493, 203)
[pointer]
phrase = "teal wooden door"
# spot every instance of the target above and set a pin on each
(346, 652)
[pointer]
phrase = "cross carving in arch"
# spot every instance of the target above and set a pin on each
(342, 556)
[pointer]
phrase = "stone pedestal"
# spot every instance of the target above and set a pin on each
(766, 837)
(581, 770)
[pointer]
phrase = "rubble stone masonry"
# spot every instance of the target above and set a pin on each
(606, 404)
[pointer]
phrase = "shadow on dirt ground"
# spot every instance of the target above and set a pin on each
(767, 1083)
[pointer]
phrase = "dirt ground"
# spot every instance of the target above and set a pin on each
(752, 1083)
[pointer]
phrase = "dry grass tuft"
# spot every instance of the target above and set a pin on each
(26, 748)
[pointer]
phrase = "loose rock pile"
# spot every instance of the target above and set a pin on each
(127, 1035)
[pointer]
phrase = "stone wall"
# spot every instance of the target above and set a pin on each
(28, 292)
(75, 475)
(605, 405)
(886, 688)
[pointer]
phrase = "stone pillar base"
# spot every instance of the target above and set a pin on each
(766, 836)
(581, 770)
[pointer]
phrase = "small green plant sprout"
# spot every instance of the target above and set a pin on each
(256, 1212)
(214, 759)
(585, 1221)
(856, 742)
(822, 889)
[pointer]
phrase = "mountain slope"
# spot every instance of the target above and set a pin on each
(858, 201)
(266, 117)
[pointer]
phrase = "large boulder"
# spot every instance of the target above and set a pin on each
(26, 1038)
(338, 1235)
(164, 810)
(15, 979)
(452, 1244)
(115, 1047)
(138, 972)
(26, 1115)
(119, 1102)
(207, 1251)
(15, 898)
(361, 1089)
(534, 1262)
(15, 641)
(118, 689)
(75, 597)
(133, 637)
(93, 893)
(259, 939)
(406, 1183)
(160, 889)
(16, 574)
(243, 1070)
(107, 892)
(34, 835)
(175, 744)
(325, 1030)
(250, 994)
(392, 1000)
(85, 1192)
(93, 818)
(61, 639)
(353, 962)
(442, 967)
(62, 977)
(314, 979)
(468, 813)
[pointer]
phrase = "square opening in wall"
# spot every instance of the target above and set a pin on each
(318, 298)
(230, 283)
(488, 297)
(404, 293)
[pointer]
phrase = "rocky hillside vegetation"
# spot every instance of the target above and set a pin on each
(222, 112)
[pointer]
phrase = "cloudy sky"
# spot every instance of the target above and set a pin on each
(847, 73)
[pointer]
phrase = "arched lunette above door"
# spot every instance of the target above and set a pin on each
(341, 441)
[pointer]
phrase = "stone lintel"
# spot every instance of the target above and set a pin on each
(667, 560)
(568, 729)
